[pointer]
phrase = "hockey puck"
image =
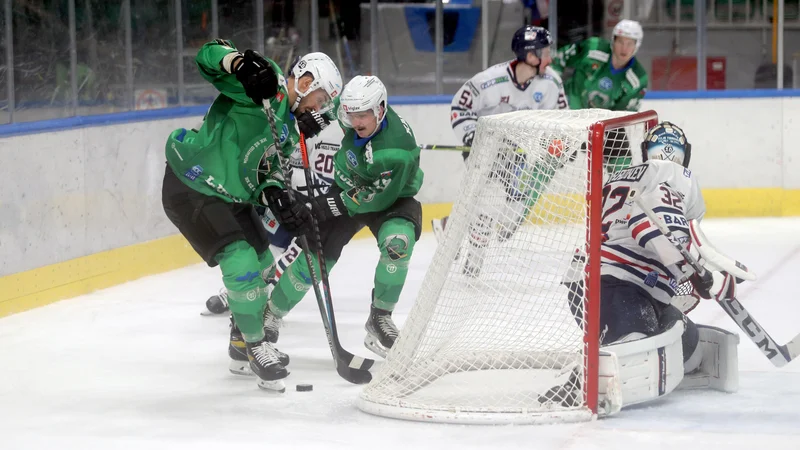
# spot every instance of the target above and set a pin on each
(216, 305)
(305, 387)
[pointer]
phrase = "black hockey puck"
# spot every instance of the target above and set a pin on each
(305, 387)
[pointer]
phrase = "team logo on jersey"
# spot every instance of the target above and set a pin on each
(279, 96)
(537, 97)
(193, 173)
(351, 158)
(606, 83)
(505, 99)
(687, 173)
(284, 134)
(651, 279)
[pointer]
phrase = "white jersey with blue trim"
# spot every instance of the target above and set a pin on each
(321, 149)
(634, 249)
(496, 91)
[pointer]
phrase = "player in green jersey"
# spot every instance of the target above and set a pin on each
(217, 174)
(607, 74)
(376, 174)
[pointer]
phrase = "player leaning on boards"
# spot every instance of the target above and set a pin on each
(217, 174)
(606, 74)
(524, 83)
(658, 347)
(376, 174)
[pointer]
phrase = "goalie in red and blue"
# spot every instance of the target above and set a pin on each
(657, 346)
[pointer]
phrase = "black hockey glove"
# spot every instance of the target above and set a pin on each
(295, 217)
(468, 138)
(329, 206)
(702, 284)
(310, 123)
(257, 77)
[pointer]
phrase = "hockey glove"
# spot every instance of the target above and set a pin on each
(256, 75)
(329, 206)
(295, 217)
(468, 138)
(310, 123)
(702, 283)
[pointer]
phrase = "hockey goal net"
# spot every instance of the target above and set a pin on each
(498, 333)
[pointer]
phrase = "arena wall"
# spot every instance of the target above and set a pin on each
(81, 208)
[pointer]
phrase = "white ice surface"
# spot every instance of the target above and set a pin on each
(136, 367)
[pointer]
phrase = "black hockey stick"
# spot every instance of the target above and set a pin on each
(350, 367)
(778, 355)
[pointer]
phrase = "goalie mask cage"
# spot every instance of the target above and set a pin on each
(496, 334)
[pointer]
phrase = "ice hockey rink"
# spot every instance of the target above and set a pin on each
(136, 367)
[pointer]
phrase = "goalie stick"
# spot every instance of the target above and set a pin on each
(350, 367)
(778, 355)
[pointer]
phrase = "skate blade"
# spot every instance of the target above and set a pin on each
(240, 368)
(375, 346)
(272, 387)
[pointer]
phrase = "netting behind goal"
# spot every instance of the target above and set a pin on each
(496, 335)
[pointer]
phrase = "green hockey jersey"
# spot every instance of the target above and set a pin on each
(232, 155)
(595, 83)
(374, 172)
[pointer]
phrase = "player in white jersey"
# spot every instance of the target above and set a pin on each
(524, 83)
(321, 150)
(640, 270)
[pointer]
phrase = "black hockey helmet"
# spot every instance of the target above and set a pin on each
(530, 39)
(667, 141)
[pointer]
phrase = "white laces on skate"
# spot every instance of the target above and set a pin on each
(265, 354)
(272, 322)
(386, 324)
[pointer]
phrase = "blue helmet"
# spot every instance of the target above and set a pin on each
(668, 142)
(530, 39)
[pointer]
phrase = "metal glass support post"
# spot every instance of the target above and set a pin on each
(259, 4)
(126, 18)
(700, 13)
(780, 43)
(10, 60)
(214, 19)
(73, 58)
(552, 20)
(314, 26)
(179, 49)
(485, 34)
(373, 36)
(439, 45)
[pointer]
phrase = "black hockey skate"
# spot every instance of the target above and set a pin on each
(567, 395)
(381, 331)
(272, 324)
(240, 364)
(266, 365)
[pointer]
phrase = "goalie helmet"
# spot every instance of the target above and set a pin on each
(668, 142)
(530, 39)
(326, 75)
(629, 29)
(363, 93)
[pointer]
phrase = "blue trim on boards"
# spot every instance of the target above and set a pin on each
(68, 123)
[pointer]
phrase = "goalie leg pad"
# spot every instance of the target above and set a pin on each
(650, 367)
(719, 366)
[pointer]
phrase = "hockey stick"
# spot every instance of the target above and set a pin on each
(350, 367)
(458, 148)
(778, 355)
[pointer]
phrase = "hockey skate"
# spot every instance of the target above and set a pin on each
(272, 324)
(381, 331)
(216, 304)
(266, 365)
(240, 364)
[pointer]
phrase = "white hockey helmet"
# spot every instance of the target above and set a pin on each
(629, 29)
(326, 76)
(363, 93)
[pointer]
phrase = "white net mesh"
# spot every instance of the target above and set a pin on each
(496, 333)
